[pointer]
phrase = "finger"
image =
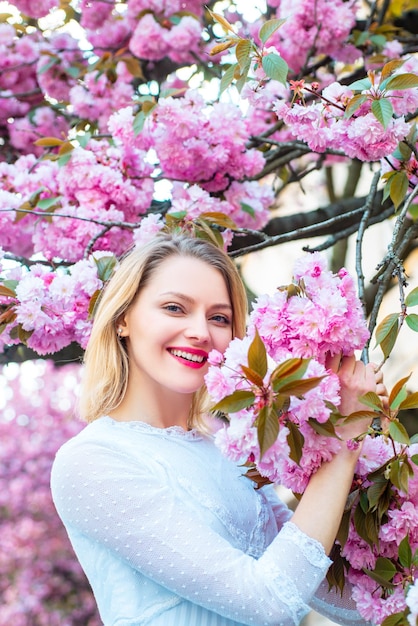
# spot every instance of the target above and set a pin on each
(377, 372)
(332, 362)
(349, 364)
(381, 390)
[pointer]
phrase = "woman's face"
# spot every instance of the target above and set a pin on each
(178, 318)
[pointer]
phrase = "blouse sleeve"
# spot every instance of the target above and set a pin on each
(339, 608)
(140, 517)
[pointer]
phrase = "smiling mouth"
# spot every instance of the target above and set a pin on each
(194, 358)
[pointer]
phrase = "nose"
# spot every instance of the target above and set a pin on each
(198, 329)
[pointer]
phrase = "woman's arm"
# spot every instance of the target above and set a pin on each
(321, 507)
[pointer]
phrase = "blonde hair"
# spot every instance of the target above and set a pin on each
(106, 359)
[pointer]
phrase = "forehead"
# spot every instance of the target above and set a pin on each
(188, 274)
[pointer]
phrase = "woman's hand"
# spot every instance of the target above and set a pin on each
(356, 379)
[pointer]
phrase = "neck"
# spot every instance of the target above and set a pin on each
(159, 412)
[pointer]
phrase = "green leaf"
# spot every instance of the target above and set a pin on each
(414, 459)
(412, 320)
(403, 152)
(372, 400)
(139, 121)
(295, 441)
(52, 61)
(387, 332)
(360, 523)
(47, 203)
(410, 402)
(48, 142)
(405, 553)
(378, 40)
(412, 297)
(63, 160)
(354, 103)
(390, 67)
(242, 52)
(275, 67)
(399, 185)
(224, 45)
(247, 209)
(326, 428)
(403, 81)
(382, 109)
(257, 355)
(5, 292)
(336, 572)
(300, 387)
(252, 376)
(215, 217)
(105, 267)
(383, 572)
(227, 77)
(268, 28)
(372, 528)
(376, 490)
(344, 529)
(358, 416)
(242, 77)
(399, 473)
(360, 85)
(73, 71)
(289, 370)
(221, 20)
(395, 619)
(267, 429)
(93, 302)
(240, 399)
(398, 392)
(398, 432)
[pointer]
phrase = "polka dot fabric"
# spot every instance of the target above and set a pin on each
(170, 533)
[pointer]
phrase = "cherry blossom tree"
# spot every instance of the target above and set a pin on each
(41, 582)
(122, 118)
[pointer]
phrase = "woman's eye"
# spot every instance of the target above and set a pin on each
(173, 308)
(221, 319)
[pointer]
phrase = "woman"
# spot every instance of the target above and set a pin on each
(168, 531)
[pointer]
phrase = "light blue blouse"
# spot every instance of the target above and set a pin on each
(170, 533)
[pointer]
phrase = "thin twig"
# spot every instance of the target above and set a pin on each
(359, 258)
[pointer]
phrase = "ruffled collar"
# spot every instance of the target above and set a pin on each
(171, 431)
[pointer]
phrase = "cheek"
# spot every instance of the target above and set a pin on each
(223, 340)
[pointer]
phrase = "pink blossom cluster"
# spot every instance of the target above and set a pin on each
(254, 197)
(203, 144)
(239, 442)
(324, 126)
(163, 30)
(35, 8)
(100, 182)
(154, 39)
(314, 28)
(23, 60)
(98, 97)
(57, 59)
(51, 307)
(326, 317)
(406, 100)
(401, 520)
(18, 58)
(44, 122)
(41, 581)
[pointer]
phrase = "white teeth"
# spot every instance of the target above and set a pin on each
(186, 355)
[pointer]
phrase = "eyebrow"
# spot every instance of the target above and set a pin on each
(182, 296)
